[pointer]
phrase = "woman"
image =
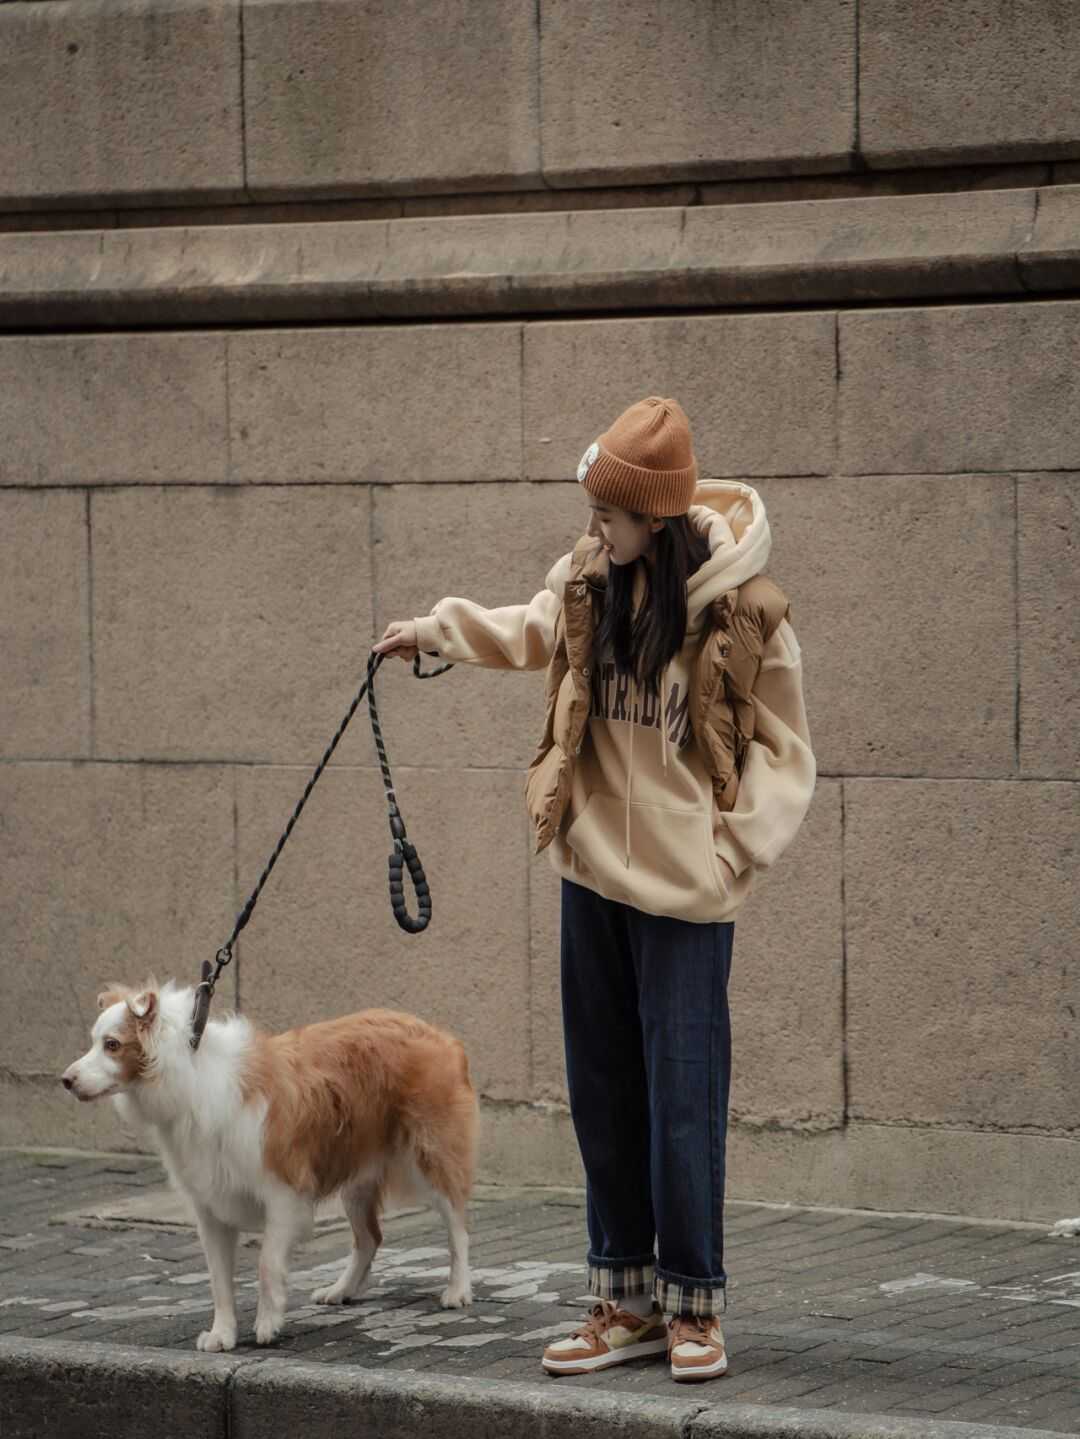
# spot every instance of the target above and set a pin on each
(675, 764)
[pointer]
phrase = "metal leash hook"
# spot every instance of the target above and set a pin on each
(204, 993)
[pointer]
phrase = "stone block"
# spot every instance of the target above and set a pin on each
(325, 1399)
(1050, 258)
(120, 102)
(44, 629)
(493, 544)
(112, 872)
(324, 942)
(112, 409)
(786, 988)
(978, 81)
(696, 91)
(1026, 1177)
(347, 98)
(960, 902)
(759, 390)
(418, 402)
(528, 1144)
(902, 598)
(960, 388)
(36, 1110)
(901, 1167)
(863, 248)
(229, 622)
(1049, 530)
(89, 1389)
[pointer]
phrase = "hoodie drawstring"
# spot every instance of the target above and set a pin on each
(630, 767)
(663, 746)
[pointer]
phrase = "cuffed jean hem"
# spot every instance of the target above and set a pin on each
(677, 1295)
(620, 1278)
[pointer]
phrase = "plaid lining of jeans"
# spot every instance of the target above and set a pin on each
(675, 1298)
(609, 1283)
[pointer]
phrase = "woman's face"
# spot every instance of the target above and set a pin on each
(624, 538)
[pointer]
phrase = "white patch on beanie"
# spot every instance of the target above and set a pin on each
(587, 460)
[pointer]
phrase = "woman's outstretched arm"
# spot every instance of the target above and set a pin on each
(519, 637)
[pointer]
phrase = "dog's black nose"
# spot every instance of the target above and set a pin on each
(67, 1081)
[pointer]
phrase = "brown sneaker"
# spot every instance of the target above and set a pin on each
(609, 1335)
(696, 1347)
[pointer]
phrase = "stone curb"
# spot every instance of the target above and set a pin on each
(992, 242)
(90, 1391)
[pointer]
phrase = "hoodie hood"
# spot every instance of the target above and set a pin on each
(732, 517)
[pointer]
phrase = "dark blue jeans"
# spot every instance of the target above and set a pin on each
(648, 1060)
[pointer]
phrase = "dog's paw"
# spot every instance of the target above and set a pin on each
(456, 1297)
(266, 1330)
(1065, 1229)
(332, 1294)
(216, 1341)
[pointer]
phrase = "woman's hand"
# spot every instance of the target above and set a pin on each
(399, 639)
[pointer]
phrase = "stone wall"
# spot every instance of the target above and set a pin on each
(346, 372)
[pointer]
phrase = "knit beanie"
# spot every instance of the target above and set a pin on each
(645, 462)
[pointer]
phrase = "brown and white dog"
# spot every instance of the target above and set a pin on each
(256, 1128)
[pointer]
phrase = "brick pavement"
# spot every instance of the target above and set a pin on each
(848, 1313)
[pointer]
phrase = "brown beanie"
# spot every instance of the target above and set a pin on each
(645, 462)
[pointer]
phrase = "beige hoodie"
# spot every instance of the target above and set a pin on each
(642, 826)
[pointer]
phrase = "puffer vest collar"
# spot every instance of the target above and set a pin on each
(722, 678)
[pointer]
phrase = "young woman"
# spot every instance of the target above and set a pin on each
(675, 763)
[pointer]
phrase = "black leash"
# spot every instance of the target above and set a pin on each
(403, 854)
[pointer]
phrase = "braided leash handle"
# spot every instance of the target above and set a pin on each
(404, 852)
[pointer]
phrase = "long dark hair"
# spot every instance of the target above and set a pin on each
(644, 644)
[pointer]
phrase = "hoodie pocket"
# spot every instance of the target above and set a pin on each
(673, 866)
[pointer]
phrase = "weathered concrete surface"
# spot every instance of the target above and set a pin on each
(960, 388)
(903, 600)
(44, 596)
(112, 409)
(978, 242)
(1049, 637)
(946, 1170)
(350, 99)
(761, 388)
(376, 404)
(696, 90)
(229, 623)
(978, 80)
(106, 102)
(962, 1005)
(112, 872)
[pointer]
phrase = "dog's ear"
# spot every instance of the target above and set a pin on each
(144, 1006)
(114, 994)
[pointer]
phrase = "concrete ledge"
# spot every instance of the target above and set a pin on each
(48, 1386)
(995, 242)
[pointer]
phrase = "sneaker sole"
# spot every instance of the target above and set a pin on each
(604, 1361)
(704, 1371)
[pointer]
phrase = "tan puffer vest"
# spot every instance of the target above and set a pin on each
(720, 708)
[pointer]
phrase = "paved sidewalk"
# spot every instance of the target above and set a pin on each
(831, 1313)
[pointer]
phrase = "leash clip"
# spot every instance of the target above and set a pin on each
(204, 993)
